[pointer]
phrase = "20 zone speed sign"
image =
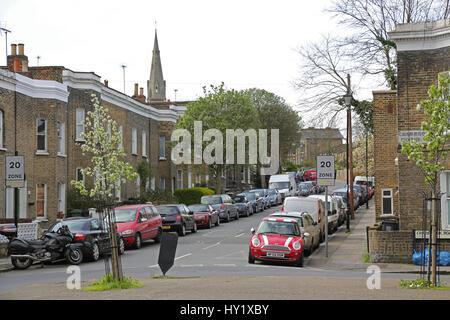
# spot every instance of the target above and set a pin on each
(15, 171)
(325, 170)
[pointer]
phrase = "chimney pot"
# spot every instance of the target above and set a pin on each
(14, 49)
(136, 86)
(106, 83)
(21, 49)
(141, 93)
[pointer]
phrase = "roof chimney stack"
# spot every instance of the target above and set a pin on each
(17, 62)
(14, 49)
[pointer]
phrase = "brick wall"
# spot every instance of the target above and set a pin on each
(391, 246)
(385, 147)
(417, 71)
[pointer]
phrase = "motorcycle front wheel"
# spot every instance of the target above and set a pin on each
(75, 256)
(21, 263)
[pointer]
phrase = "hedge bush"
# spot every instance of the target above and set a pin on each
(191, 195)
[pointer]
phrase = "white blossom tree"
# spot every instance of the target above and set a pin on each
(103, 142)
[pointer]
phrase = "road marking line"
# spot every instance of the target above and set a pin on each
(186, 255)
(211, 246)
(239, 235)
(224, 265)
(153, 266)
(191, 265)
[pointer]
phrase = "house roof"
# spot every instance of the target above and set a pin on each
(321, 133)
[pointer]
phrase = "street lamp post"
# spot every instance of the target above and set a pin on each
(347, 100)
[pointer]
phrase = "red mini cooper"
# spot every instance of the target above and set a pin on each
(277, 239)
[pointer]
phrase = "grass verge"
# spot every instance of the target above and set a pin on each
(422, 284)
(109, 283)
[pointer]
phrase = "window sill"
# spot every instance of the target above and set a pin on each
(144, 156)
(62, 155)
(41, 220)
(3, 149)
(134, 154)
(42, 153)
(80, 140)
(162, 159)
(387, 215)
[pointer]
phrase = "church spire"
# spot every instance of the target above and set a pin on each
(156, 86)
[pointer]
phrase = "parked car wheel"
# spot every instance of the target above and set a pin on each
(95, 255)
(228, 217)
(217, 222)
(299, 262)
(121, 246)
(75, 256)
(209, 226)
(194, 228)
(237, 216)
(182, 231)
(158, 237)
(250, 257)
(137, 241)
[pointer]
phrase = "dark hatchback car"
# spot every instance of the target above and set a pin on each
(244, 206)
(92, 233)
(256, 201)
(178, 218)
(205, 215)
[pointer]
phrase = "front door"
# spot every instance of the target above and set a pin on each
(9, 199)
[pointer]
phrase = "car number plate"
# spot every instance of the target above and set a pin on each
(166, 227)
(275, 254)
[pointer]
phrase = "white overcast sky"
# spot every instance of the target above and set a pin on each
(245, 44)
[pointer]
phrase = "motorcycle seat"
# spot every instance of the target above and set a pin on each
(40, 243)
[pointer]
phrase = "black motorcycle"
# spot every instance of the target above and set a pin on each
(52, 247)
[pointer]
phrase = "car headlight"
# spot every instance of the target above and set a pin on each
(129, 231)
(256, 242)
(297, 245)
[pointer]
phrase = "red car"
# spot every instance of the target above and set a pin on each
(138, 223)
(205, 215)
(310, 175)
(277, 239)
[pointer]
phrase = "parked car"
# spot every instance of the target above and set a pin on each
(224, 204)
(264, 194)
(343, 193)
(310, 175)
(342, 209)
(205, 215)
(333, 211)
(358, 194)
(138, 223)
(256, 201)
(310, 230)
(277, 239)
(92, 233)
(178, 218)
(275, 197)
(244, 206)
(315, 207)
(305, 189)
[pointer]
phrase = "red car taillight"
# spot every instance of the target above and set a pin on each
(178, 217)
(320, 215)
(282, 208)
(79, 237)
(223, 206)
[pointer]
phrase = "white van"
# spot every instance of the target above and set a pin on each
(315, 207)
(362, 180)
(285, 184)
(333, 210)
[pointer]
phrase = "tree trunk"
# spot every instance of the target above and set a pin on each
(434, 238)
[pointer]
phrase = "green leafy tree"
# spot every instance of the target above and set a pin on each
(429, 158)
(220, 109)
(103, 144)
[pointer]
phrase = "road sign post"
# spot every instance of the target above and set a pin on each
(325, 177)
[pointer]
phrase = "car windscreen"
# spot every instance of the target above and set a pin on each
(240, 199)
(279, 185)
(277, 227)
(199, 208)
(250, 196)
(167, 210)
(125, 215)
(298, 219)
(272, 192)
(300, 206)
(211, 200)
(304, 187)
(74, 226)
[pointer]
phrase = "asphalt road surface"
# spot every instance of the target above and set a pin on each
(216, 252)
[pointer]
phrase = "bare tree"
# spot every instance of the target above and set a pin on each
(364, 52)
(322, 80)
